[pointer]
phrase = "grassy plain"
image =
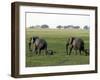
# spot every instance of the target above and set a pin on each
(56, 39)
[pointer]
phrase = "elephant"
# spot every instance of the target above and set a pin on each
(40, 44)
(50, 52)
(87, 51)
(76, 44)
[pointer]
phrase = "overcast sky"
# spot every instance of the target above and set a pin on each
(54, 20)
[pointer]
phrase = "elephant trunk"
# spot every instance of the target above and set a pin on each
(67, 48)
(30, 43)
(30, 46)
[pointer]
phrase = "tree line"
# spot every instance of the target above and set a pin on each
(45, 26)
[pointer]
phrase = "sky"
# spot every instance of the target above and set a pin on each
(53, 20)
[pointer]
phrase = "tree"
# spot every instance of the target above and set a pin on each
(66, 27)
(59, 27)
(44, 26)
(86, 27)
(76, 27)
(70, 26)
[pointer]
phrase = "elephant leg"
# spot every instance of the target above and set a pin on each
(39, 51)
(36, 50)
(71, 47)
(76, 51)
(46, 51)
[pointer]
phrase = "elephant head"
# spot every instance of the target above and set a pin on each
(31, 41)
(34, 39)
(69, 42)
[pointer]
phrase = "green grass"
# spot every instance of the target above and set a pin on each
(56, 39)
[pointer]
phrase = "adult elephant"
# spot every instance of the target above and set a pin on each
(76, 44)
(40, 44)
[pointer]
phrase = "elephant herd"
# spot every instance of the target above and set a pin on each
(72, 43)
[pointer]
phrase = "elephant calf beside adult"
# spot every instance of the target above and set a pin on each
(40, 44)
(76, 44)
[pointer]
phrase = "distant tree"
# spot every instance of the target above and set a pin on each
(76, 27)
(86, 27)
(70, 26)
(59, 27)
(66, 27)
(44, 26)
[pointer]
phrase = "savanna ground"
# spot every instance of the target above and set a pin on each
(56, 39)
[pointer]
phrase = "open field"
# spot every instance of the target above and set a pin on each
(56, 39)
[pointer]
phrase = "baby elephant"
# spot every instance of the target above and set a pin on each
(87, 51)
(50, 52)
(76, 44)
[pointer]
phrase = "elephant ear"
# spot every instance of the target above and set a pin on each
(71, 40)
(34, 38)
